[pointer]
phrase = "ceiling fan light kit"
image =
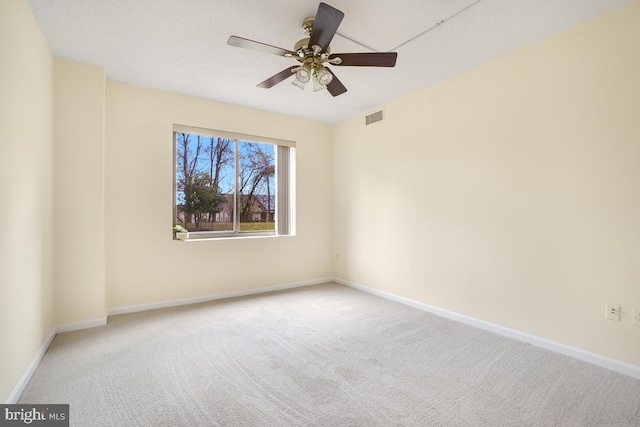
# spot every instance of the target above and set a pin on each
(314, 52)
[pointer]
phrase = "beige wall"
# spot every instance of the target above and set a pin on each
(508, 193)
(26, 271)
(143, 263)
(79, 191)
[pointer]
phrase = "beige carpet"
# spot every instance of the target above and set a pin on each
(323, 355)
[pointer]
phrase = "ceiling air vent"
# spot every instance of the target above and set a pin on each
(375, 117)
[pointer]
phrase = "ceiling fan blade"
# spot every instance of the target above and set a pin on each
(274, 80)
(260, 47)
(373, 59)
(325, 26)
(336, 87)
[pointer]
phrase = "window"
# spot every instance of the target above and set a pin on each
(229, 184)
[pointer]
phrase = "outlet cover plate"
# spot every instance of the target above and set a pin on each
(613, 312)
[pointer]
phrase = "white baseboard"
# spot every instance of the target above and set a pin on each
(593, 358)
(195, 300)
(68, 327)
(28, 373)
(31, 369)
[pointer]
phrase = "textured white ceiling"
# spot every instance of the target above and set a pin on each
(180, 45)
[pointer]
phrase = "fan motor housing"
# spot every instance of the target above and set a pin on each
(302, 44)
(307, 25)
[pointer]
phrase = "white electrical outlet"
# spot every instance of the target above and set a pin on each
(635, 319)
(613, 312)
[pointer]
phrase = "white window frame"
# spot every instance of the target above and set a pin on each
(284, 159)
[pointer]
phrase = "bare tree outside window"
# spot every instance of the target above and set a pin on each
(213, 192)
(256, 186)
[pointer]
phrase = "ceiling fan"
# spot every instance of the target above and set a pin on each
(314, 53)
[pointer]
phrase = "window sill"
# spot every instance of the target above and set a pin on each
(223, 238)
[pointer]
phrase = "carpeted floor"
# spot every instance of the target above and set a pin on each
(323, 355)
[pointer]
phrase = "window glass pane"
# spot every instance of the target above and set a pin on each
(225, 186)
(256, 186)
(204, 182)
